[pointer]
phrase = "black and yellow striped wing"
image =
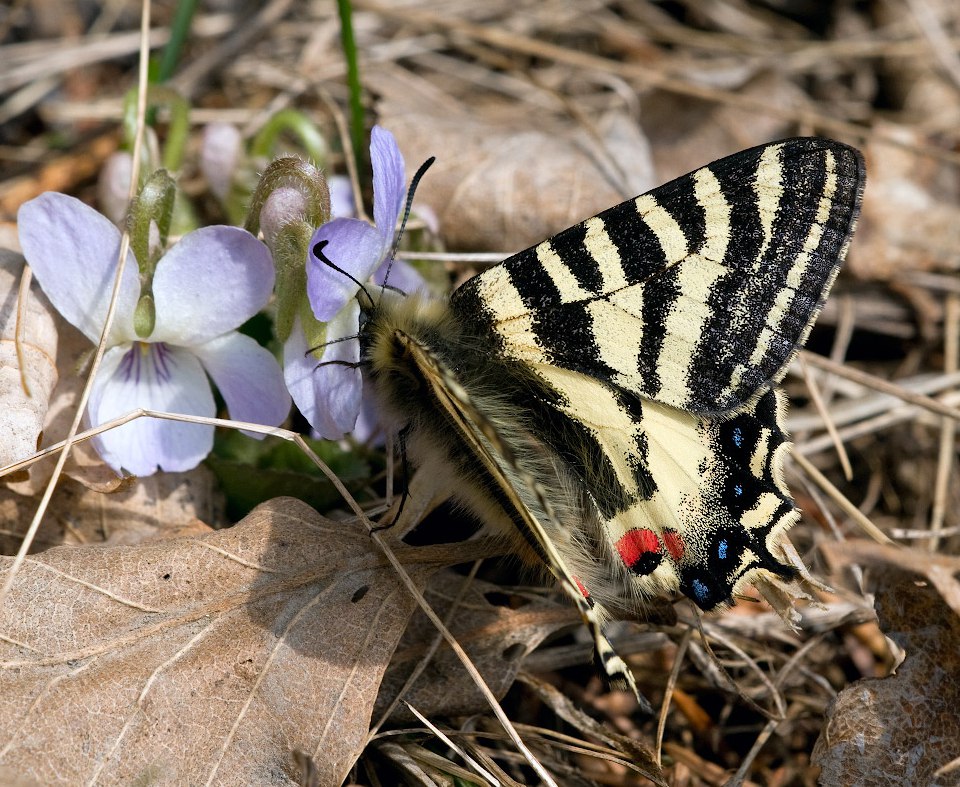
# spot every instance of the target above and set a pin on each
(696, 294)
(609, 395)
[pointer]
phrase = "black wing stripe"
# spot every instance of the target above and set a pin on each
(712, 364)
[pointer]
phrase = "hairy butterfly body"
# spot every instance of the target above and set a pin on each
(608, 396)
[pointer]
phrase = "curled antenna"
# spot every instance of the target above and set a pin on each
(318, 253)
(406, 214)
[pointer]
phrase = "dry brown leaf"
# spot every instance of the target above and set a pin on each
(490, 188)
(497, 637)
(84, 463)
(903, 728)
(686, 132)
(25, 392)
(211, 658)
(940, 569)
(165, 505)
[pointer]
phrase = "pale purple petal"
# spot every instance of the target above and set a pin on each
(341, 197)
(220, 154)
(369, 428)
(298, 367)
(353, 246)
(402, 276)
(211, 282)
(389, 185)
(113, 185)
(73, 252)
(248, 377)
(158, 377)
(328, 396)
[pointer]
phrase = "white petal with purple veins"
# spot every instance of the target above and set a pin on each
(157, 377)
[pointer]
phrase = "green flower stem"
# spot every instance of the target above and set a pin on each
(154, 205)
(176, 139)
(300, 126)
(289, 242)
(183, 16)
(357, 124)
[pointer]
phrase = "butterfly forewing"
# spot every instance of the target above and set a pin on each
(695, 294)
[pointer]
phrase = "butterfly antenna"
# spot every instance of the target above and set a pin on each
(318, 253)
(406, 214)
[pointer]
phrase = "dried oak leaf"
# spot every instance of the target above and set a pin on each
(164, 505)
(903, 728)
(201, 660)
(84, 463)
(496, 630)
(24, 390)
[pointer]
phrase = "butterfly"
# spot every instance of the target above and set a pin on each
(607, 398)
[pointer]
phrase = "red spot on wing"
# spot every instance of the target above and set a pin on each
(582, 587)
(674, 543)
(634, 544)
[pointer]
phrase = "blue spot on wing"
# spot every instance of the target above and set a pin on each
(700, 591)
(738, 437)
(722, 549)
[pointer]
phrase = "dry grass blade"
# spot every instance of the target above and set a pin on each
(477, 768)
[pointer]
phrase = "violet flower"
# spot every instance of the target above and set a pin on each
(330, 394)
(203, 288)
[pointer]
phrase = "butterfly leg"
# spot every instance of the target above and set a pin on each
(404, 474)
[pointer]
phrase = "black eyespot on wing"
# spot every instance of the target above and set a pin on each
(640, 551)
